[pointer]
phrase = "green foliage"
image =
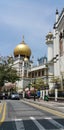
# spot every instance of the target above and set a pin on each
(7, 73)
(38, 84)
(55, 79)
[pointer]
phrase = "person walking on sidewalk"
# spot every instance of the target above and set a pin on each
(38, 95)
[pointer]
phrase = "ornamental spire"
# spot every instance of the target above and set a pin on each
(23, 38)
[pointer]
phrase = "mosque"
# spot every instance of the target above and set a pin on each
(50, 67)
(25, 67)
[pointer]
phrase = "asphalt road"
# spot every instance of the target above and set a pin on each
(22, 116)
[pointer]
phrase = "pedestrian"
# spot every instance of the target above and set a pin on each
(28, 94)
(38, 94)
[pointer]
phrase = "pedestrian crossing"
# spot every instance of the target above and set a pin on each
(38, 124)
(24, 117)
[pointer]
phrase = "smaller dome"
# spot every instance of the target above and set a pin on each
(49, 35)
(25, 59)
(49, 38)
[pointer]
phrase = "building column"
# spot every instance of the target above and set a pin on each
(56, 94)
(45, 73)
(43, 94)
(23, 94)
(23, 69)
(46, 92)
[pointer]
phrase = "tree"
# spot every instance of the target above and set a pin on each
(57, 81)
(38, 84)
(7, 73)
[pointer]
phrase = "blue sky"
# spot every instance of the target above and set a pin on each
(31, 18)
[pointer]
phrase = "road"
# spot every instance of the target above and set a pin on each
(19, 115)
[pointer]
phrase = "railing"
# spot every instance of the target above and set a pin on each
(61, 99)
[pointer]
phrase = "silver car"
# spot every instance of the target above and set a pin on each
(15, 96)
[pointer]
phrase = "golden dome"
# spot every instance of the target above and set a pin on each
(22, 49)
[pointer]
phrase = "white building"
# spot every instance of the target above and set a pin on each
(55, 42)
(59, 46)
(46, 69)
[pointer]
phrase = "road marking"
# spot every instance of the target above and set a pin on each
(58, 125)
(19, 124)
(47, 118)
(54, 112)
(37, 123)
(1, 106)
(4, 114)
(18, 119)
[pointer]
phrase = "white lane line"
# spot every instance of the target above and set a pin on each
(19, 124)
(47, 118)
(55, 123)
(37, 123)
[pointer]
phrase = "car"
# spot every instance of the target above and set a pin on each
(1, 96)
(15, 96)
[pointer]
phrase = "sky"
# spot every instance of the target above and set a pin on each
(31, 18)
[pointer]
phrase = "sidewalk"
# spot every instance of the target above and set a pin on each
(50, 104)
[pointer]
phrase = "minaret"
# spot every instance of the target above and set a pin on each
(57, 15)
(56, 46)
(49, 42)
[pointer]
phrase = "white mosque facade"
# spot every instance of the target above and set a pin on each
(58, 46)
(47, 68)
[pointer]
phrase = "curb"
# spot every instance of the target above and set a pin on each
(46, 104)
